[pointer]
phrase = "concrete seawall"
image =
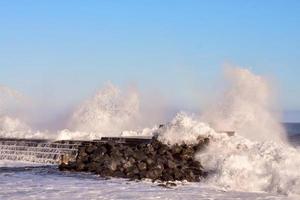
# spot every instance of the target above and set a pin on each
(53, 152)
(38, 151)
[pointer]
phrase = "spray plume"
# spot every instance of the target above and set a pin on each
(246, 107)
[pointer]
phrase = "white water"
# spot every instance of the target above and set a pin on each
(10, 100)
(240, 164)
(256, 159)
(11, 126)
(246, 106)
(18, 182)
(109, 112)
(237, 163)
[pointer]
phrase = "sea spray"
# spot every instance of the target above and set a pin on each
(257, 157)
(113, 110)
(236, 163)
(67, 134)
(15, 128)
(12, 102)
(183, 129)
(10, 125)
(109, 112)
(247, 161)
(246, 106)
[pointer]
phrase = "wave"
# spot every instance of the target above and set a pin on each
(109, 111)
(237, 163)
(240, 164)
(256, 158)
(247, 106)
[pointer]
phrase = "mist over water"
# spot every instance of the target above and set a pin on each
(11, 102)
(257, 158)
(109, 111)
(247, 107)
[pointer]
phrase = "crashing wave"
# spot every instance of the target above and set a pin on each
(108, 112)
(246, 106)
(237, 163)
(256, 158)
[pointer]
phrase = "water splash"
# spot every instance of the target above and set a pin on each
(246, 106)
(109, 112)
(255, 159)
(183, 129)
(237, 163)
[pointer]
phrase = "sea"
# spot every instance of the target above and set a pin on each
(23, 180)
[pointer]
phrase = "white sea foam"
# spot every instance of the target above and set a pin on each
(109, 112)
(255, 159)
(9, 98)
(48, 183)
(237, 163)
(66, 134)
(15, 128)
(184, 129)
(246, 106)
(10, 125)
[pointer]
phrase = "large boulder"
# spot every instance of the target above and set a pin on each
(155, 161)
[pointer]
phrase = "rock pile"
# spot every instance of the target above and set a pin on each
(156, 161)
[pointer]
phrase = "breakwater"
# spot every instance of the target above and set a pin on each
(139, 159)
(38, 151)
(123, 157)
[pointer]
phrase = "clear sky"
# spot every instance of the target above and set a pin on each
(61, 51)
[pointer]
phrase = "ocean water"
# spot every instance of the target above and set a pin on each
(293, 130)
(24, 180)
(258, 162)
(19, 180)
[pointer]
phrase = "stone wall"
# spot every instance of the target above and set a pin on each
(155, 161)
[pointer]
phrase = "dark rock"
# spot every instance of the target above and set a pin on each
(135, 170)
(139, 155)
(112, 165)
(178, 175)
(167, 185)
(119, 174)
(156, 144)
(162, 150)
(171, 164)
(82, 153)
(150, 150)
(90, 149)
(176, 149)
(81, 149)
(171, 184)
(153, 174)
(92, 167)
(80, 167)
(149, 161)
(97, 158)
(155, 161)
(63, 166)
(101, 150)
(142, 166)
(164, 185)
(167, 176)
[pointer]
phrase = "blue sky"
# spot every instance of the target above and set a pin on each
(62, 51)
